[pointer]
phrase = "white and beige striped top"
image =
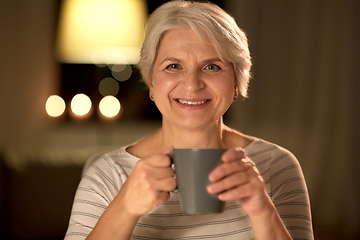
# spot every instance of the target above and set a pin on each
(280, 170)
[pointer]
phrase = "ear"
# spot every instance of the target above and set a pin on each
(150, 86)
(151, 95)
(236, 92)
(149, 82)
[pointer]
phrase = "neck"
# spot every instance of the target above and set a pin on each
(215, 136)
(206, 137)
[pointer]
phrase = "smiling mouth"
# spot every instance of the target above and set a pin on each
(191, 103)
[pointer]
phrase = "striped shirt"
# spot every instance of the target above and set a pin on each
(284, 182)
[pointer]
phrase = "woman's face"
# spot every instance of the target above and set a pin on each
(191, 85)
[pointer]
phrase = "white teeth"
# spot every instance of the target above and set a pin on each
(191, 103)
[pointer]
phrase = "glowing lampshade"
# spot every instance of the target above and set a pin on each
(101, 31)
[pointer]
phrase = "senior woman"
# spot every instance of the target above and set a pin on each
(195, 61)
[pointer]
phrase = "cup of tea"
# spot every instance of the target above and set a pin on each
(192, 167)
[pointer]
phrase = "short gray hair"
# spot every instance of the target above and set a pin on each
(204, 19)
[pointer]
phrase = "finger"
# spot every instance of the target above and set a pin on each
(239, 192)
(227, 169)
(146, 172)
(158, 160)
(156, 198)
(166, 184)
(163, 197)
(161, 172)
(253, 189)
(233, 154)
(159, 185)
(149, 171)
(169, 150)
(229, 182)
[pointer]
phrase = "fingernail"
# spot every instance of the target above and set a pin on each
(210, 188)
(221, 196)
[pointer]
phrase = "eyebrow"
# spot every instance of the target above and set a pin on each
(172, 59)
(217, 59)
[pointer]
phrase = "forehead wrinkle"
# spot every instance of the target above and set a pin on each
(192, 48)
(188, 54)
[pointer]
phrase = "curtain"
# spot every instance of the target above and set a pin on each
(304, 95)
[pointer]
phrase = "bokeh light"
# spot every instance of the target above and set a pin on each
(55, 106)
(109, 106)
(116, 57)
(108, 86)
(122, 75)
(80, 104)
(99, 57)
(108, 57)
(117, 67)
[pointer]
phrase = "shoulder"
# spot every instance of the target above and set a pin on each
(277, 165)
(109, 170)
(285, 184)
(260, 148)
(272, 159)
(115, 160)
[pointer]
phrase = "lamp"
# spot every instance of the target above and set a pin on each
(101, 31)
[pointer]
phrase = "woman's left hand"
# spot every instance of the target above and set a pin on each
(239, 179)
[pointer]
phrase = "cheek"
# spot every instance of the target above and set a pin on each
(163, 83)
(225, 87)
(231, 84)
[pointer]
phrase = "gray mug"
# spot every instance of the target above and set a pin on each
(192, 168)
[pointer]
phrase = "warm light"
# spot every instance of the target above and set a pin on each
(80, 104)
(101, 31)
(121, 74)
(108, 86)
(109, 106)
(117, 67)
(55, 106)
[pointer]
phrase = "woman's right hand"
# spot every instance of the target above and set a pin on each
(148, 185)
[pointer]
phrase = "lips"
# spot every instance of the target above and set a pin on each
(192, 102)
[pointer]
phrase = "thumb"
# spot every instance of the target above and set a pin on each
(169, 151)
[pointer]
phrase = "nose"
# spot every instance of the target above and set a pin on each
(193, 81)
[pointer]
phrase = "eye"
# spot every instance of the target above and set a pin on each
(173, 67)
(212, 67)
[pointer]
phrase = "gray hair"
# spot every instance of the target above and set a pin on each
(205, 19)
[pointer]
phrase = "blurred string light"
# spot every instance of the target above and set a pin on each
(104, 33)
(108, 86)
(80, 104)
(55, 106)
(109, 106)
